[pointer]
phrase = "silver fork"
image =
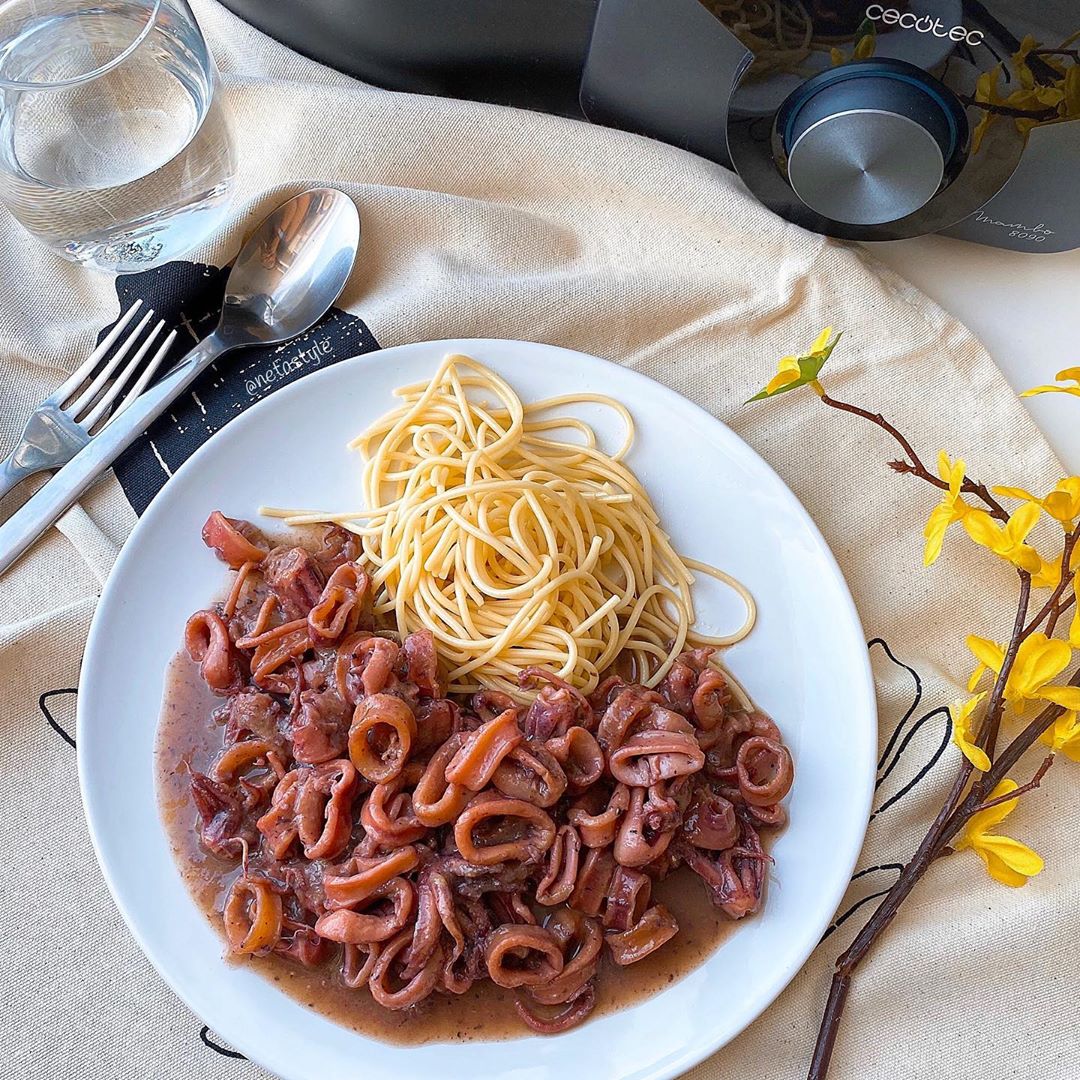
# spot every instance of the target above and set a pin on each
(66, 421)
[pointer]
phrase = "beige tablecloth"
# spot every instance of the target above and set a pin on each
(488, 221)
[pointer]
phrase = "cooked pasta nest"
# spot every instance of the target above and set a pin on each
(506, 530)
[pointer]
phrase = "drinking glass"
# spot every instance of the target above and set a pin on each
(114, 147)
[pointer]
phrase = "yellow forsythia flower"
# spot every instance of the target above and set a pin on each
(1072, 91)
(1057, 100)
(978, 133)
(990, 657)
(787, 372)
(1007, 541)
(1071, 374)
(1020, 56)
(865, 47)
(986, 89)
(1006, 860)
(1062, 504)
(986, 86)
(951, 508)
(1048, 575)
(963, 736)
(796, 371)
(1063, 736)
(865, 38)
(1038, 660)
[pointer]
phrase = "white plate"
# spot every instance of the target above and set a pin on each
(805, 663)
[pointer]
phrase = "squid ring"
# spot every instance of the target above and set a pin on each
(386, 721)
(252, 916)
(522, 955)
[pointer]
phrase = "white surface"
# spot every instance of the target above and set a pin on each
(1024, 308)
(722, 504)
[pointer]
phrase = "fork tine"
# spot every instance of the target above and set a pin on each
(101, 407)
(82, 372)
(147, 374)
(88, 397)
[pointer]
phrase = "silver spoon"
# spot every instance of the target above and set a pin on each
(292, 268)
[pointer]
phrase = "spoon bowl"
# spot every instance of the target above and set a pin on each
(291, 269)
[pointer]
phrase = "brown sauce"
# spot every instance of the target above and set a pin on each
(186, 737)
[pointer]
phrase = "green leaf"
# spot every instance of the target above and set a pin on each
(867, 28)
(809, 369)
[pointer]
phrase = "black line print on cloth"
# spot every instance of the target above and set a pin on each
(903, 736)
(882, 877)
(188, 296)
(47, 712)
(43, 705)
(904, 763)
(224, 1051)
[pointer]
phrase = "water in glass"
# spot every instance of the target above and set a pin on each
(114, 147)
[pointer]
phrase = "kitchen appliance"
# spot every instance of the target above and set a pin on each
(862, 121)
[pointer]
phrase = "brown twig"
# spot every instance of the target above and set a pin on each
(1052, 609)
(1049, 113)
(1003, 763)
(1056, 614)
(914, 464)
(988, 733)
(924, 855)
(1073, 53)
(1023, 789)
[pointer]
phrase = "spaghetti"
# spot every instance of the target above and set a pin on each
(783, 34)
(516, 545)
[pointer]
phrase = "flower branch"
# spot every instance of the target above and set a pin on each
(914, 464)
(1054, 607)
(982, 794)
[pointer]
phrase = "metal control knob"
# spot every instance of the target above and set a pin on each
(870, 142)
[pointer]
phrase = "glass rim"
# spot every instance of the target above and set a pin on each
(153, 10)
